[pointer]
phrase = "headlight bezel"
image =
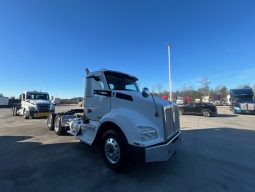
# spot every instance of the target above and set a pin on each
(148, 133)
(52, 107)
(32, 107)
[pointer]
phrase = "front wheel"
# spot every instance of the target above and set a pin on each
(25, 114)
(114, 150)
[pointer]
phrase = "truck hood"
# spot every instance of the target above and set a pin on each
(138, 97)
(35, 102)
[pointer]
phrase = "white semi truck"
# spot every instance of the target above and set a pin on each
(34, 104)
(122, 120)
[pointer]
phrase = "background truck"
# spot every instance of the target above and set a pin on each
(125, 122)
(242, 101)
(33, 104)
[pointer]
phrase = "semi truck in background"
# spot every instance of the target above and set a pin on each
(242, 101)
(125, 122)
(33, 104)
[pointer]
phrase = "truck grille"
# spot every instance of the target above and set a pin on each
(247, 106)
(171, 121)
(43, 107)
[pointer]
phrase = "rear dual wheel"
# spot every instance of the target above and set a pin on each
(58, 128)
(14, 110)
(51, 121)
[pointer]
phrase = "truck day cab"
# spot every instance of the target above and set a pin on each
(33, 104)
(122, 120)
(242, 101)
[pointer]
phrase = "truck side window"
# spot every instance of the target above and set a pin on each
(111, 86)
(29, 96)
(98, 84)
(131, 87)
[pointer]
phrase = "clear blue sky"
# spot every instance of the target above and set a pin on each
(46, 44)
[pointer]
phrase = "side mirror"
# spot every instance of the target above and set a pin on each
(89, 89)
(145, 92)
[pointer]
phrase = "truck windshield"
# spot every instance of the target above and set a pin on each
(41, 96)
(244, 97)
(120, 81)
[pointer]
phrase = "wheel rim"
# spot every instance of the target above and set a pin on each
(206, 113)
(56, 127)
(49, 121)
(112, 150)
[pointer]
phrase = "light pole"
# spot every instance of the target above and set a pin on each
(169, 73)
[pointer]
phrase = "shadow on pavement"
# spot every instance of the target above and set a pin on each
(214, 159)
(226, 115)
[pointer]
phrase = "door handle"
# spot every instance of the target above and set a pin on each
(89, 110)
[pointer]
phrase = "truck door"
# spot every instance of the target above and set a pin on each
(98, 98)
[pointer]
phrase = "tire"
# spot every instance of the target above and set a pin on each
(51, 121)
(31, 116)
(206, 113)
(13, 111)
(181, 111)
(114, 150)
(25, 114)
(59, 130)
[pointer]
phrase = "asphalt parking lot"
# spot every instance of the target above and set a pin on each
(216, 154)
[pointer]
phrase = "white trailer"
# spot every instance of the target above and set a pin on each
(4, 101)
(125, 122)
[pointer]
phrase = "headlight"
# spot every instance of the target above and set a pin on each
(148, 133)
(52, 107)
(32, 108)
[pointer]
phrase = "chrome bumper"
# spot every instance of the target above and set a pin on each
(163, 152)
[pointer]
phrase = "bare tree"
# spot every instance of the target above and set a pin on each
(157, 88)
(222, 90)
(245, 86)
(205, 85)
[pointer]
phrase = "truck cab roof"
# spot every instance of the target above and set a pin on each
(105, 71)
(241, 92)
(25, 92)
